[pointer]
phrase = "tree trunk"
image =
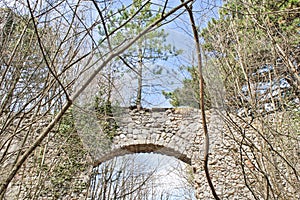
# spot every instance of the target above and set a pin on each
(140, 79)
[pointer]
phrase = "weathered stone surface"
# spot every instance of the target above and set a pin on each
(178, 133)
(175, 127)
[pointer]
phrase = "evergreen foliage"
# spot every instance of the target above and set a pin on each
(188, 94)
(149, 49)
(246, 42)
(104, 112)
(71, 160)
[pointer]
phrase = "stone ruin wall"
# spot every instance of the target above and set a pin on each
(167, 131)
(175, 132)
(180, 129)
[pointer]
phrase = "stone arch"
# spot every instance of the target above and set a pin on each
(144, 148)
(168, 131)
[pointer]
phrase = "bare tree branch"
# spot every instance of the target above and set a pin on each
(201, 94)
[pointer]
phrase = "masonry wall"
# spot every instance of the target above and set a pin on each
(167, 131)
(178, 132)
(61, 166)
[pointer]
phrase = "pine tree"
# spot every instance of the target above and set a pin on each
(149, 49)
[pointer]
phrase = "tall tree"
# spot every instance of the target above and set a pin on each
(21, 62)
(28, 92)
(149, 49)
(256, 52)
(254, 46)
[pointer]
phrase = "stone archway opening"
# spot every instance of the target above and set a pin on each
(148, 175)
